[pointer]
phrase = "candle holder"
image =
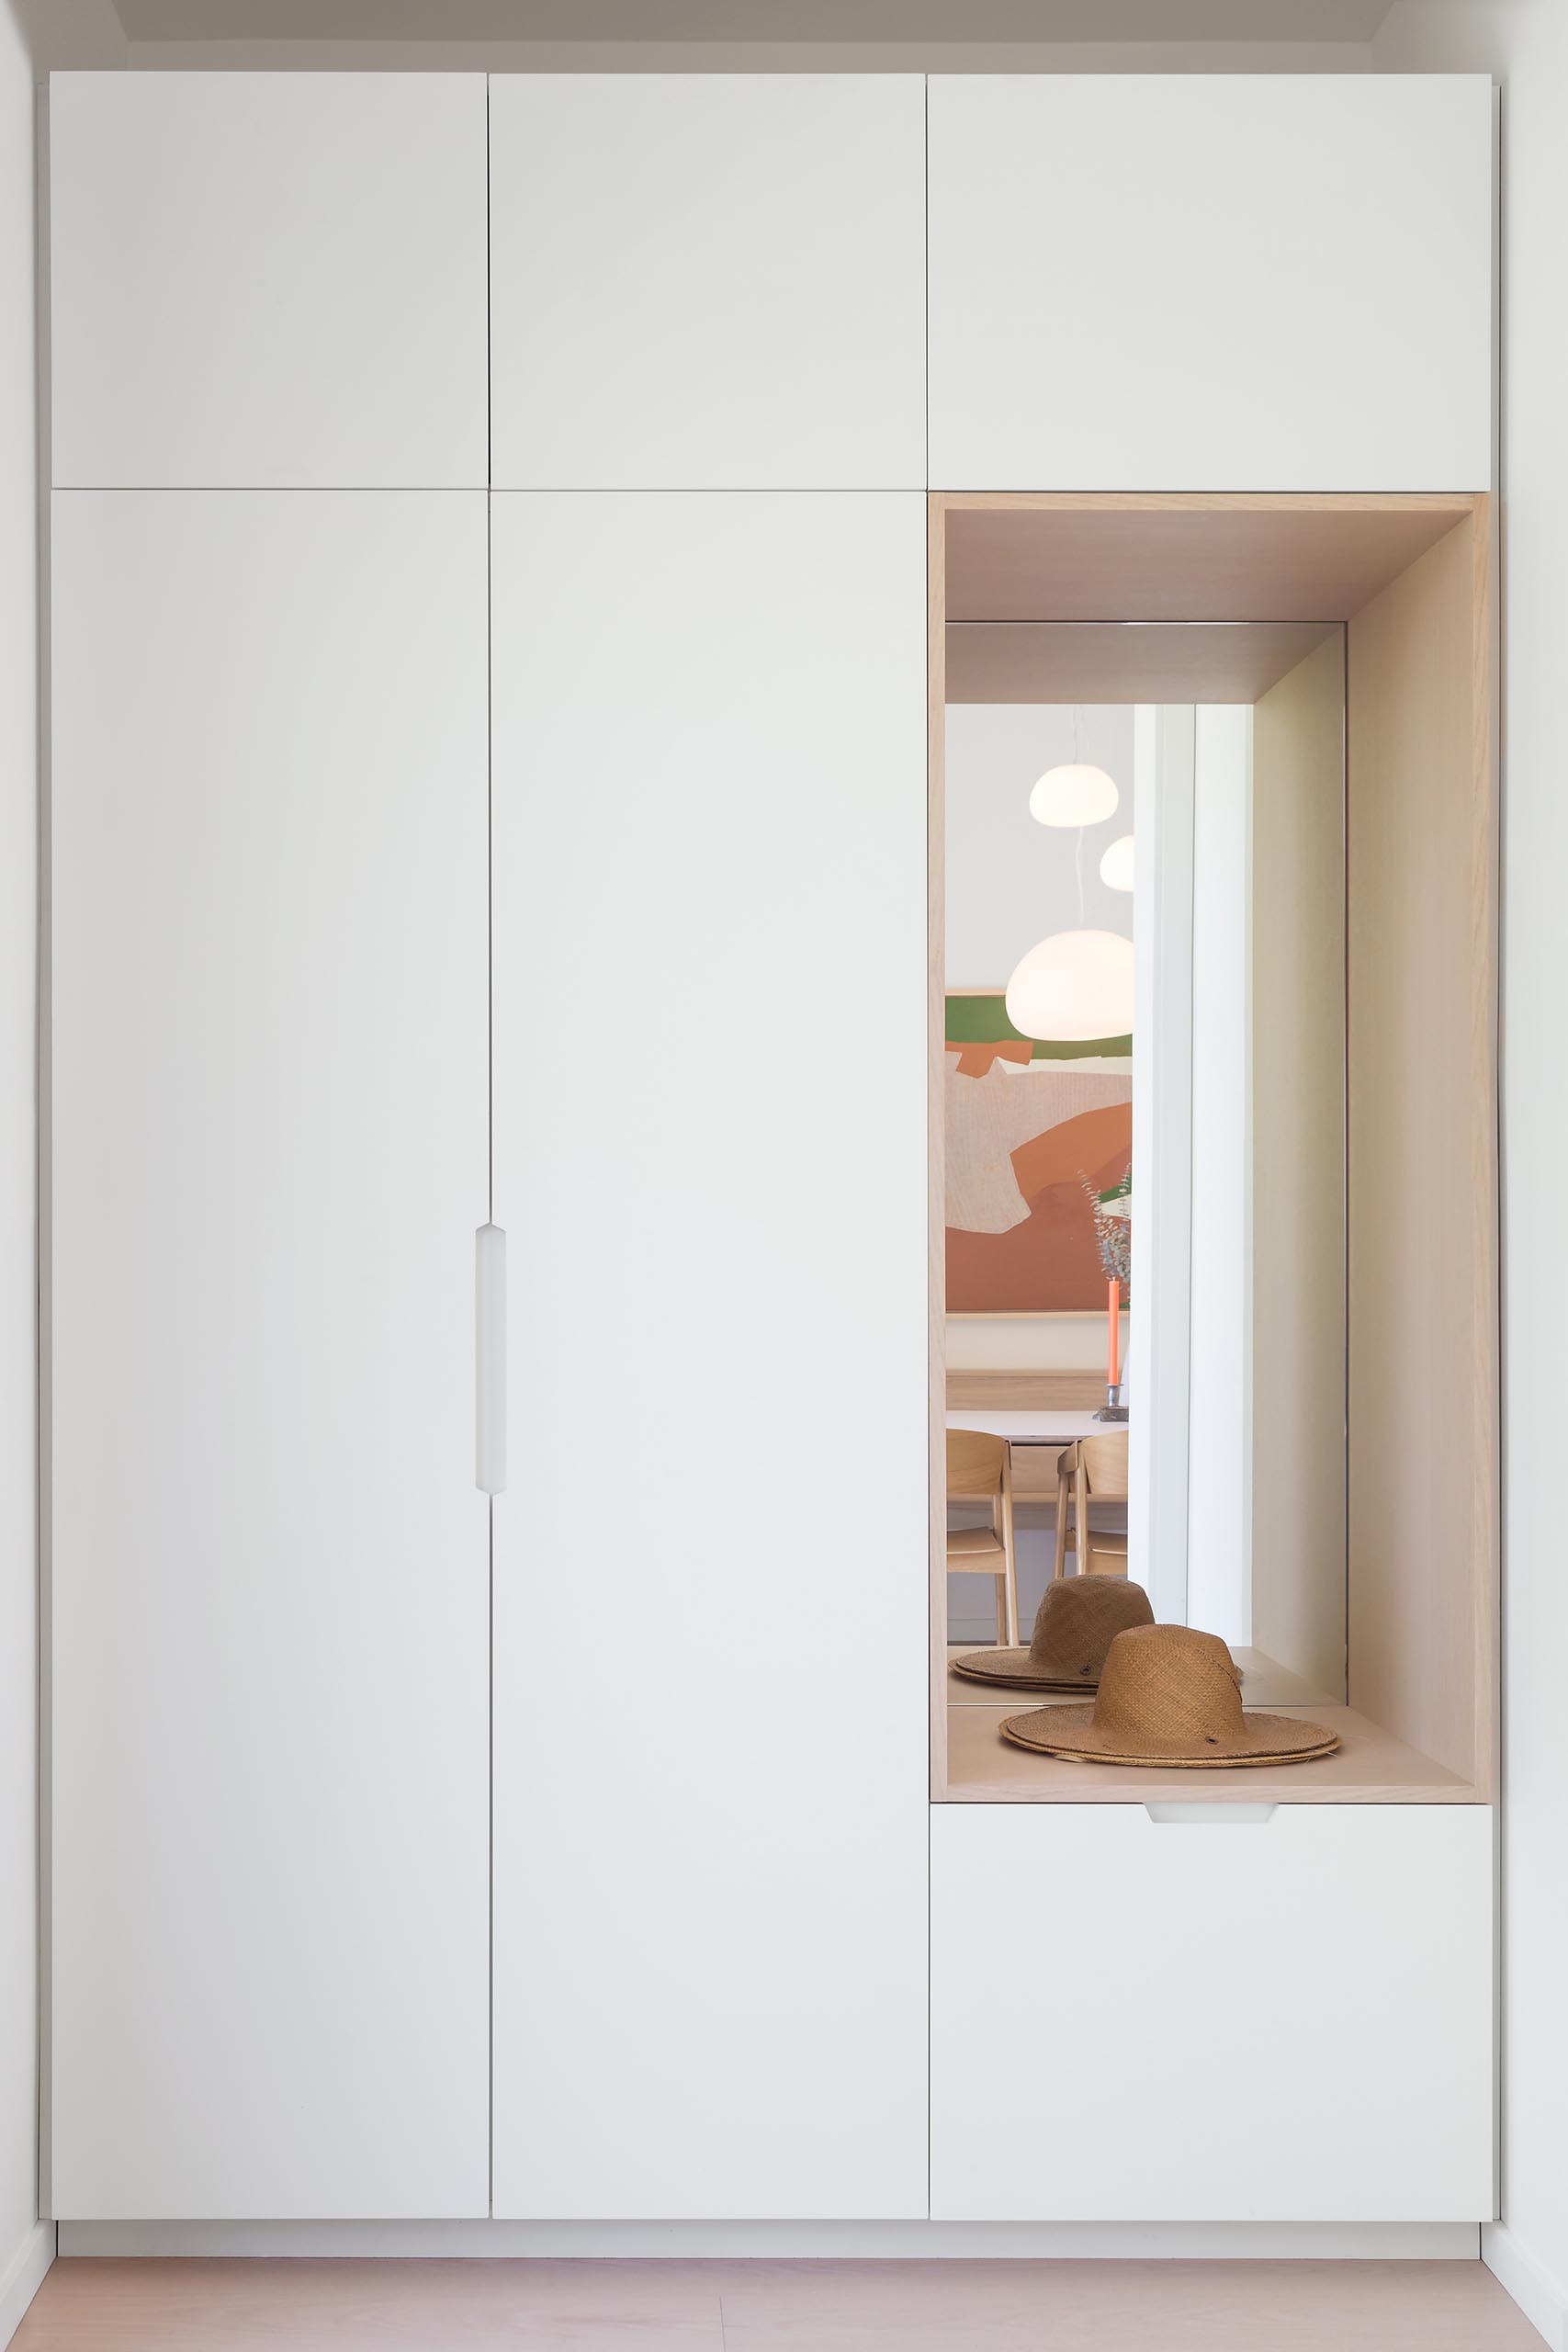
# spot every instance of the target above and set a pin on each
(1112, 1214)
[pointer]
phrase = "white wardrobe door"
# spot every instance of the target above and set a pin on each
(269, 1612)
(1211, 281)
(267, 279)
(710, 1106)
(708, 281)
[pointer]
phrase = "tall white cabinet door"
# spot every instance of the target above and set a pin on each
(710, 1558)
(1286, 2019)
(708, 281)
(269, 1561)
(1196, 281)
(267, 280)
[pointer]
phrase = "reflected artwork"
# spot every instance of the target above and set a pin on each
(1029, 1125)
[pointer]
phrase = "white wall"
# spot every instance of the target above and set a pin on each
(19, 1717)
(1525, 43)
(32, 37)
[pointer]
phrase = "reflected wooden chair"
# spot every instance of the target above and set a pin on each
(980, 1469)
(1094, 1470)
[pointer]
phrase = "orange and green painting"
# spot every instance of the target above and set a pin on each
(1024, 1128)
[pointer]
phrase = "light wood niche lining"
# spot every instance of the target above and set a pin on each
(1422, 1155)
(1054, 556)
(1298, 1166)
(1120, 660)
(1413, 577)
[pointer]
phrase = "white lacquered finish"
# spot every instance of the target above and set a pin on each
(1279, 2020)
(710, 1154)
(489, 1359)
(708, 281)
(1211, 282)
(269, 1614)
(267, 280)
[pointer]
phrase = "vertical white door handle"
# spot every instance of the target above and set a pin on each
(489, 1359)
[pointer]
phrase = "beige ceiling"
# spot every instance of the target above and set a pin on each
(771, 21)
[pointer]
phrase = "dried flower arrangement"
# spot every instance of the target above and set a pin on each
(1112, 1214)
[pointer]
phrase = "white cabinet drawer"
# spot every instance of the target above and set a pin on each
(1211, 282)
(1283, 2020)
(267, 280)
(708, 281)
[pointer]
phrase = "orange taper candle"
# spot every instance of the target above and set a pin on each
(1113, 1334)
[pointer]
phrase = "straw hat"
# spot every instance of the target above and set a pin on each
(1074, 1627)
(1169, 1696)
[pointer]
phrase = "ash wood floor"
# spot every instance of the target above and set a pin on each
(541, 2306)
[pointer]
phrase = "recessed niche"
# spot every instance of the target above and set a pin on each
(1296, 1129)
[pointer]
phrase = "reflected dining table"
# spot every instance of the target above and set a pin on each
(1036, 1437)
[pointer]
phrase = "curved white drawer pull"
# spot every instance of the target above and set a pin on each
(489, 1359)
(1215, 1816)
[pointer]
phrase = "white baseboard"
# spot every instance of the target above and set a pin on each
(1540, 2297)
(785, 2241)
(22, 2278)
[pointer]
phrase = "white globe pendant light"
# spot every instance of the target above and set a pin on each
(1116, 866)
(1076, 794)
(1075, 985)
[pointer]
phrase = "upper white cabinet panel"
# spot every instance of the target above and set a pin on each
(269, 280)
(1211, 282)
(708, 281)
(1279, 2020)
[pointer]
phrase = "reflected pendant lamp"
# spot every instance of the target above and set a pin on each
(1075, 794)
(1116, 866)
(1074, 986)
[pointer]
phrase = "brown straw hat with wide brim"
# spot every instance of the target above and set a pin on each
(1074, 1626)
(1169, 1696)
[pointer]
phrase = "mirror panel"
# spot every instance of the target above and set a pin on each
(1145, 1088)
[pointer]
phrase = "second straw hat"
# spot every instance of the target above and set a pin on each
(1169, 1696)
(1074, 1626)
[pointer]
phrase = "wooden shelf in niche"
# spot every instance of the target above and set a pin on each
(1371, 1767)
(1410, 580)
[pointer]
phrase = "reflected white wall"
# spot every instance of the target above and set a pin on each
(1009, 880)
(1162, 764)
(1219, 1563)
